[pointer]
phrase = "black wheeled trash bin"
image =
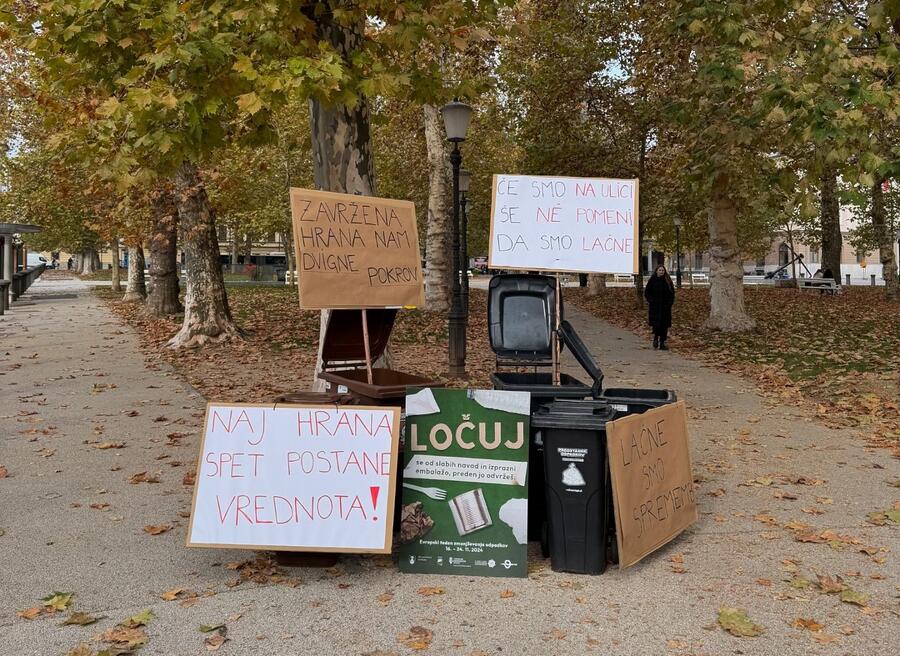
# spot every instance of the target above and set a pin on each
(627, 401)
(522, 315)
(577, 483)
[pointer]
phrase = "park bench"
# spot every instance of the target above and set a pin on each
(758, 280)
(700, 278)
(822, 284)
(623, 278)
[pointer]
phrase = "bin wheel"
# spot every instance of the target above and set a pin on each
(545, 540)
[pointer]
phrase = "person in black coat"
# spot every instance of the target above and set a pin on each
(660, 295)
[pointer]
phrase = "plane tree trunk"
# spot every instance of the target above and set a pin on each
(207, 317)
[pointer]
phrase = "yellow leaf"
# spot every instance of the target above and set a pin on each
(108, 107)
(249, 102)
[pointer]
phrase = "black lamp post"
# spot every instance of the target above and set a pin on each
(464, 178)
(456, 122)
(677, 222)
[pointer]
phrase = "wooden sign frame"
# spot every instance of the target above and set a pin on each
(391, 483)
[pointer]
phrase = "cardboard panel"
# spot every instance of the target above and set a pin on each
(653, 487)
(356, 251)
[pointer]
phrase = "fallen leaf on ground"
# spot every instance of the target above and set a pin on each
(830, 584)
(824, 638)
(805, 623)
(30, 613)
(418, 637)
(83, 649)
(851, 596)
(99, 506)
(558, 634)
(123, 636)
(209, 628)
(58, 601)
(176, 593)
(736, 622)
(156, 529)
(799, 582)
(385, 598)
(778, 494)
(764, 582)
(213, 642)
(4, 472)
(506, 594)
(109, 445)
(80, 619)
(428, 591)
(141, 619)
(143, 477)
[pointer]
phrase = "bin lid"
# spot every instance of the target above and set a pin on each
(343, 340)
(522, 315)
(579, 414)
(580, 350)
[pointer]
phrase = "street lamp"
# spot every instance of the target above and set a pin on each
(677, 222)
(464, 178)
(456, 123)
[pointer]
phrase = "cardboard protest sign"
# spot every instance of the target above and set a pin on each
(296, 478)
(653, 488)
(465, 500)
(584, 225)
(356, 251)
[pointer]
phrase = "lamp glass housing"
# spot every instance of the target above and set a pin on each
(456, 120)
(464, 178)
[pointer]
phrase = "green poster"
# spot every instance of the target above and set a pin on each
(465, 468)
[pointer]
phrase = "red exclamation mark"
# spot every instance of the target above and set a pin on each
(374, 490)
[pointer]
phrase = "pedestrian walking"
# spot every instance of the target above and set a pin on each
(69, 263)
(660, 295)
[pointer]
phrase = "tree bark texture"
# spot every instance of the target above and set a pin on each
(596, 284)
(342, 149)
(207, 316)
(116, 285)
(438, 223)
(830, 216)
(726, 275)
(164, 271)
(137, 287)
(90, 261)
(885, 243)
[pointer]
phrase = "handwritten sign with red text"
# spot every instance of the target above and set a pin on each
(296, 478)
(586, 225)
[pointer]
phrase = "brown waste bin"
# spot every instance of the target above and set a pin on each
(344, 359)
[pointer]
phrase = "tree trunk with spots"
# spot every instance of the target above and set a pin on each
(438, 223)
(137, 287)
(89, 261)
(164, 270)
(830, 216)
(207, 316)
(342, 148)
(726, 275)
(596, 284)
(116, 285)
(885, 243)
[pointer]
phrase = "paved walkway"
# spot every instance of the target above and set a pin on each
(72, 380)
